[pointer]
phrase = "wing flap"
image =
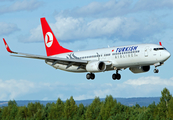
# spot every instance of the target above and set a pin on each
(50, 58)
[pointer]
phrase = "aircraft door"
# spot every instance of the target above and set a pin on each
(146, 51)
(99, 56)
(102, 57)
(160, 53)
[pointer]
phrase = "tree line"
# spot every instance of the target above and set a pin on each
(109, 109)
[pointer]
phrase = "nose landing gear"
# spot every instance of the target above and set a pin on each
(156, 70)
(156, 65)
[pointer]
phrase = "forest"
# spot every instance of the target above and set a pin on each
(109, 109)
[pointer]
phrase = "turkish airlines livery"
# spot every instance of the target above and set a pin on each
(137, 58)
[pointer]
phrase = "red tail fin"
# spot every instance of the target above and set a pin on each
(51, 43)
(160, 43)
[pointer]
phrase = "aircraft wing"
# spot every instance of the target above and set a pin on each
(52, 59)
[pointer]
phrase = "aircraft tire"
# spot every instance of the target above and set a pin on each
(156, 71)
(92, 76)
(88, 76)
(114, 76)
(118, 76)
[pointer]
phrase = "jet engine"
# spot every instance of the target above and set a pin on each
(140, 69)
(95, 66)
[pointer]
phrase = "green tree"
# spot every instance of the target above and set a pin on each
(39, 115)
(10, 111)
(152, 110)
(5, 113)
(22, 113)
(107, 107)
(70, 108)
(56, 110)
(163, 104)
(51, 111)
(1, 113)
(67, 110)
(47, 110)
(93, 109)
(12, 103)
(170, 108)
(166, 96)
(33, 108)
(81, 110)
(137, 105)
(59, 107)
(119, 116)
(73, 107)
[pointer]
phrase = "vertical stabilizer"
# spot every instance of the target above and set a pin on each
(50, 41)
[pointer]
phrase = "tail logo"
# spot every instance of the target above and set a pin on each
(48, 39)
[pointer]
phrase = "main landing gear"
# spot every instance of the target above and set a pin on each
(90, 76)
(116, 76)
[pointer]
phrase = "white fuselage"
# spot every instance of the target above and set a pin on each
(117, 57)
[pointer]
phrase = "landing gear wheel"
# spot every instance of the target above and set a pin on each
(90, 76)
(118, 76)
(114, 76)
(156, 70)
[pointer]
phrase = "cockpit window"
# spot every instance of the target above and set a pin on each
(159, 49)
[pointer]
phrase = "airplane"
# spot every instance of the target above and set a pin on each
(138, 58)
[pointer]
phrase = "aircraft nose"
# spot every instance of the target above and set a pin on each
(167, 54)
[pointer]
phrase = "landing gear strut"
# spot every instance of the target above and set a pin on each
(156, 65)
(90, 76)
(116, 76)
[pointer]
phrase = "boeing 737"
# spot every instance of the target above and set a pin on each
(138, 58)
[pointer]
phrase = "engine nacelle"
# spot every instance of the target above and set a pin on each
(140, 69)
(95, 66)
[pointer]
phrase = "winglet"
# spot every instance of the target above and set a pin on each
(7, 47)
(160, 43)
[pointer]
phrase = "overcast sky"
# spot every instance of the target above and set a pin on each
(81, 25)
